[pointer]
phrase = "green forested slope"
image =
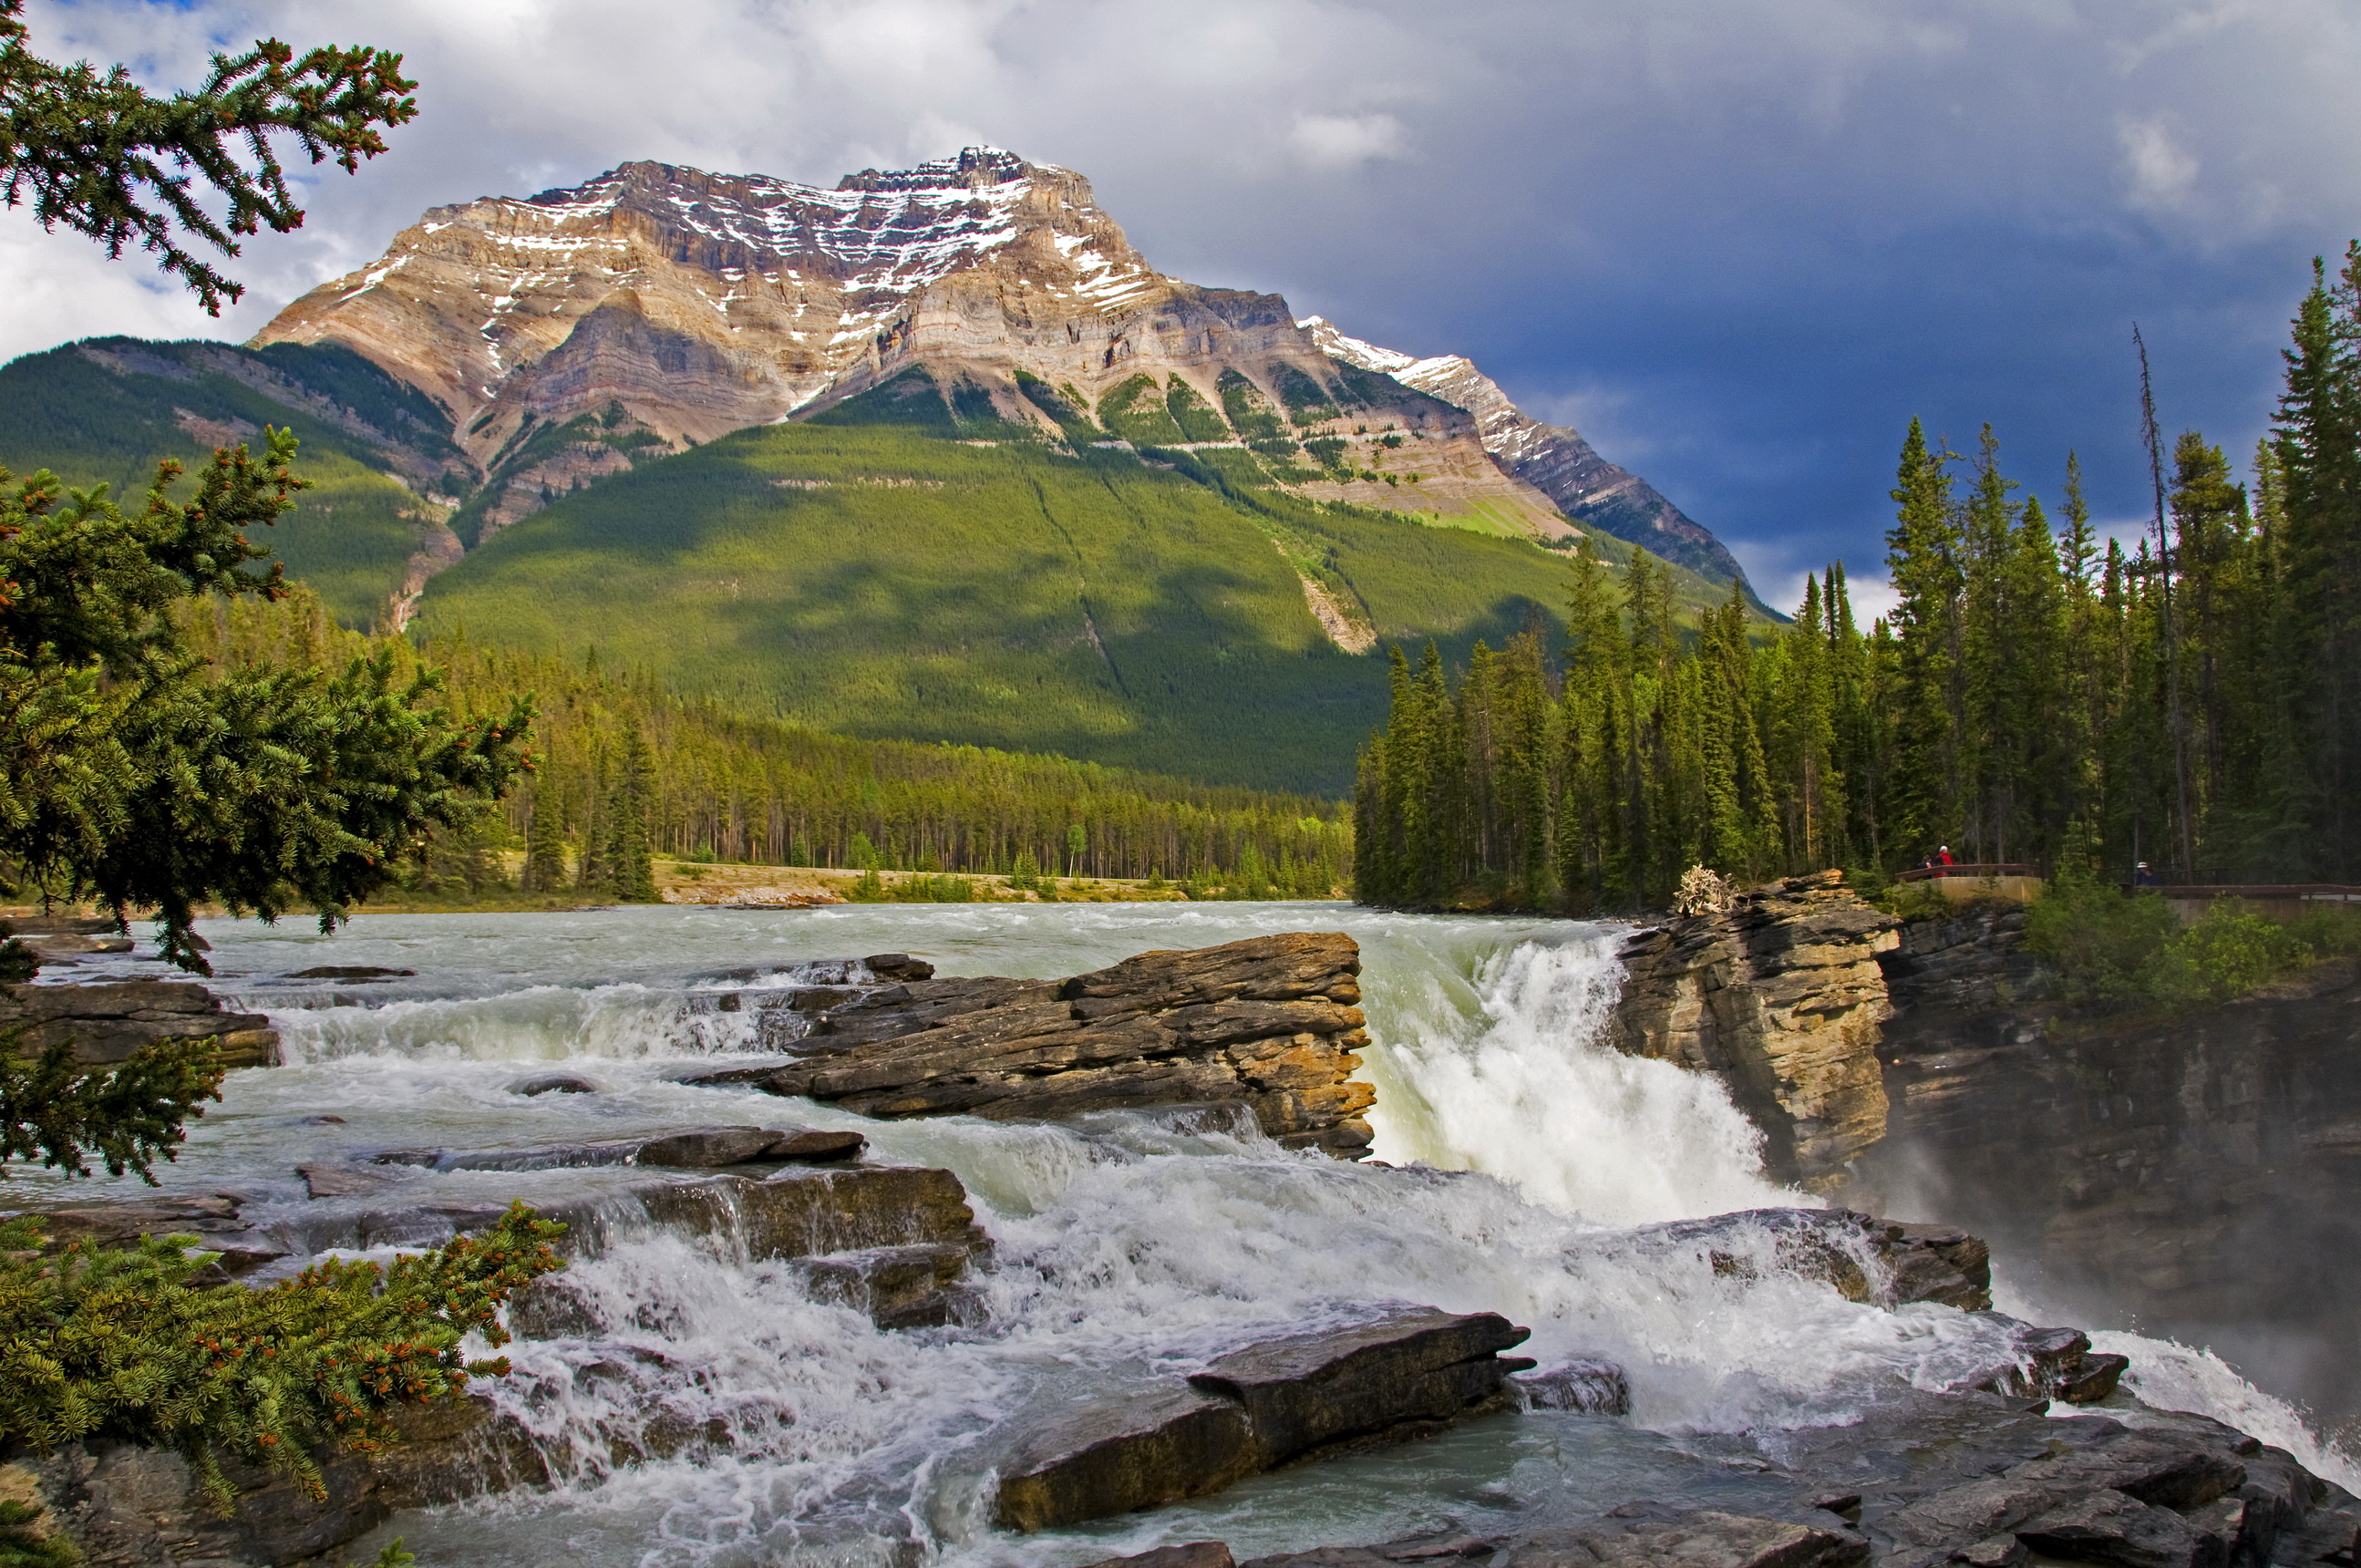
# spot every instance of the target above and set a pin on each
(895, 580)
(107, 410)
(697, 781)
(902, 565)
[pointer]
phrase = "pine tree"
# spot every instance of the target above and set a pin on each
(1922, 564)
(2318, 441)
(544, 846)
(630, 862)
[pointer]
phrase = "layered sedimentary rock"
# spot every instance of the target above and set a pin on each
(108, 1022)
(2195, 1172)
(1781, 995)
(1268, 1024)
(2198, 1171)
(575, 331)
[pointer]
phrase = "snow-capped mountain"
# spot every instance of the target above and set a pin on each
(676, 305)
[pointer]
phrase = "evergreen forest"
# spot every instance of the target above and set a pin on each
(626, 770)
(2039, 694)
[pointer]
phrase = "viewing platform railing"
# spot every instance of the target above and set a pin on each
(1979, 870)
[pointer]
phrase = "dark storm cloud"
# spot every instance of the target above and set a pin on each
(1739, 245)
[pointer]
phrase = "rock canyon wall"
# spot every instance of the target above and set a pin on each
(2196, 1175)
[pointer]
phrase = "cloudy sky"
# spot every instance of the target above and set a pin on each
(1737, 243)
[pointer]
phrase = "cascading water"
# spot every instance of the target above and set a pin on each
(1502, 1070)
(709, 1411)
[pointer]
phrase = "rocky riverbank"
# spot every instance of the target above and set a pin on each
(1953, 1464)
(1978, 1480)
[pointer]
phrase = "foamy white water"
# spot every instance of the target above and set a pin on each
(715, 1414)
(1504, 1070)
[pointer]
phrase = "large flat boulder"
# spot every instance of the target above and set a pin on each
(1113, 1457)
(1270, 1024)
(1401, 1373)
(1645, 1536)
(1883, 1262)
(1312, 1391)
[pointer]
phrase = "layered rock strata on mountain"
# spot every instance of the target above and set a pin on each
(1270, 1024)
(1552, 458)
(571, 334)
(1923, 1480)
(1782, 997)
(108, 1021)
(1400, 1374)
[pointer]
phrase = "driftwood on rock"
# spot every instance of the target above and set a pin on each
(1269, 1024)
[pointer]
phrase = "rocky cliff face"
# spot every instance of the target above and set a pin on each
(2196, 1175)
(1782, 996)
(572, 333)
(1552, 458)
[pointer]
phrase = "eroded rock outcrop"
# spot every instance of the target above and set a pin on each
(2199, 1171)
(108, 1022)
(1269, 1024)
(1782, 997)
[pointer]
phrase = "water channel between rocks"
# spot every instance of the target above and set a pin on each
(1128, 1245)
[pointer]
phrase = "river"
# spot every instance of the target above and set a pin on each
(1518, 1153)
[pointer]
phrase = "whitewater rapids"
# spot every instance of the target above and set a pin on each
(1518, 1154)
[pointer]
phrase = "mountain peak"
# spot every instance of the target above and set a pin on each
(671, 305)
(970, 168)
(1552, 458)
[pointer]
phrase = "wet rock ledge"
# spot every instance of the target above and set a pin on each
(1269, 1024)
(1935, 1481)
(108, 1021)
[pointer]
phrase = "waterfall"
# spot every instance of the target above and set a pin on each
(1507, 1071)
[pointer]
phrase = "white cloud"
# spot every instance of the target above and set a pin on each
(2162, 172)
(1519, 179)
(1343, 141)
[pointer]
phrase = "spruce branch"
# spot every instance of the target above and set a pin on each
(62, 1112)
(108, 159)
(118, 1343)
